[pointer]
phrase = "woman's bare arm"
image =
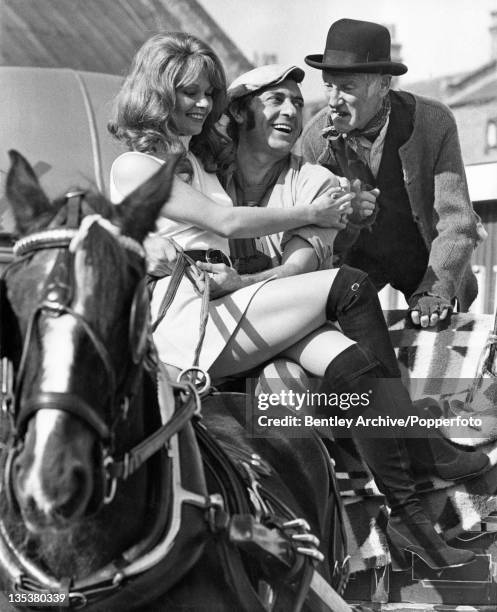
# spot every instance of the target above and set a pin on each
(188, 205)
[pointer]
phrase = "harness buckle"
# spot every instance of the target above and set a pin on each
(217, 517)
(77, 600)
(110, 482)
(258, 503)
(197, 377)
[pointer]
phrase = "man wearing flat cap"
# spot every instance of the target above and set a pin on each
(422, 234)
(265, 121)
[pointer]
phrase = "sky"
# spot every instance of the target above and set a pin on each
(439, 37)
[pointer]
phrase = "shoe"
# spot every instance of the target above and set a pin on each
(421, 539)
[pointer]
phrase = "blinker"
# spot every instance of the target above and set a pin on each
(58, 292)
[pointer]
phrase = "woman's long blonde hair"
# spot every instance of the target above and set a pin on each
(143, 108)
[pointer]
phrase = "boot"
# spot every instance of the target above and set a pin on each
(353, 302)
(409, 529)
(436, 455)
(428, 450)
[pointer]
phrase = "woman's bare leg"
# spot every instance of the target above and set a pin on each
(280, 314)
(318, 349)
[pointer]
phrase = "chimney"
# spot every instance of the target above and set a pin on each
(493, 35)
(396, 47)
(261, 59)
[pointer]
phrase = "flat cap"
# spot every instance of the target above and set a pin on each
(261, 77)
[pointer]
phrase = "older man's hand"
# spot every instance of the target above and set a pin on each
(428, 310)
(364, 202)
(161, 255)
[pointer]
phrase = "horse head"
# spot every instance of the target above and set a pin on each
(103, 494)
(75, 320)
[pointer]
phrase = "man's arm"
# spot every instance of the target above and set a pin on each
(456, 238)
(298, 257)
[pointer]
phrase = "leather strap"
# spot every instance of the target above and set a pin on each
(180, 269)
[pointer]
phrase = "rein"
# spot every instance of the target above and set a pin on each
(55, 302)
(199, 377)
(25, 575)
(257, 523)
(29, 578)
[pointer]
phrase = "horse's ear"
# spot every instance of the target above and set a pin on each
(140, 209)
(23, 191)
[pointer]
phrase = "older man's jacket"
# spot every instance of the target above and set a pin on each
(435, 182)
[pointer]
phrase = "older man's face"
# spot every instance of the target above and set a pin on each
(275, 120)
(354, 99)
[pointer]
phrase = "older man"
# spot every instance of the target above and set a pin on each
(424, 230)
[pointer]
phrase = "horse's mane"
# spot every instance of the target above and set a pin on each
(103, 252)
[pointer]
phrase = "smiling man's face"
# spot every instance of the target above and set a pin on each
(274, 119)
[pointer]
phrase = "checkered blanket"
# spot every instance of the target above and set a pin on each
(455, 366)
(442, 365)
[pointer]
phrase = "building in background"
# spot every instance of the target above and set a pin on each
(102, 35)
(85, 36)
(472, 96)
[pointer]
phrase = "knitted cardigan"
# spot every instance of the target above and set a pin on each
(436, 185)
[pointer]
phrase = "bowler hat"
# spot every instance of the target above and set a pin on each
(263, 76)
(357, 46)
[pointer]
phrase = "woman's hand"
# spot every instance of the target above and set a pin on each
(223, 279)
(161, 255)
(331, 208)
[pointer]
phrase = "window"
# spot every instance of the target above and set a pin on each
(491, 134)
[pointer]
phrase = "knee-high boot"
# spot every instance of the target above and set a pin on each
(409, 529)
(353, 302)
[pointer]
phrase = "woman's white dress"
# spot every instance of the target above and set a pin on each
(177, 335)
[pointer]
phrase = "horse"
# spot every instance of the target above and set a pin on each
(120, 489)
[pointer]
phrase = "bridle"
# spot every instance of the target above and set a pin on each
(143, 563)
(144, 558)
(55, 301)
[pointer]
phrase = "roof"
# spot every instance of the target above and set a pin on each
(437, 87)
(472, 96)
(478, 93)
(474, 87)
(102, 35)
